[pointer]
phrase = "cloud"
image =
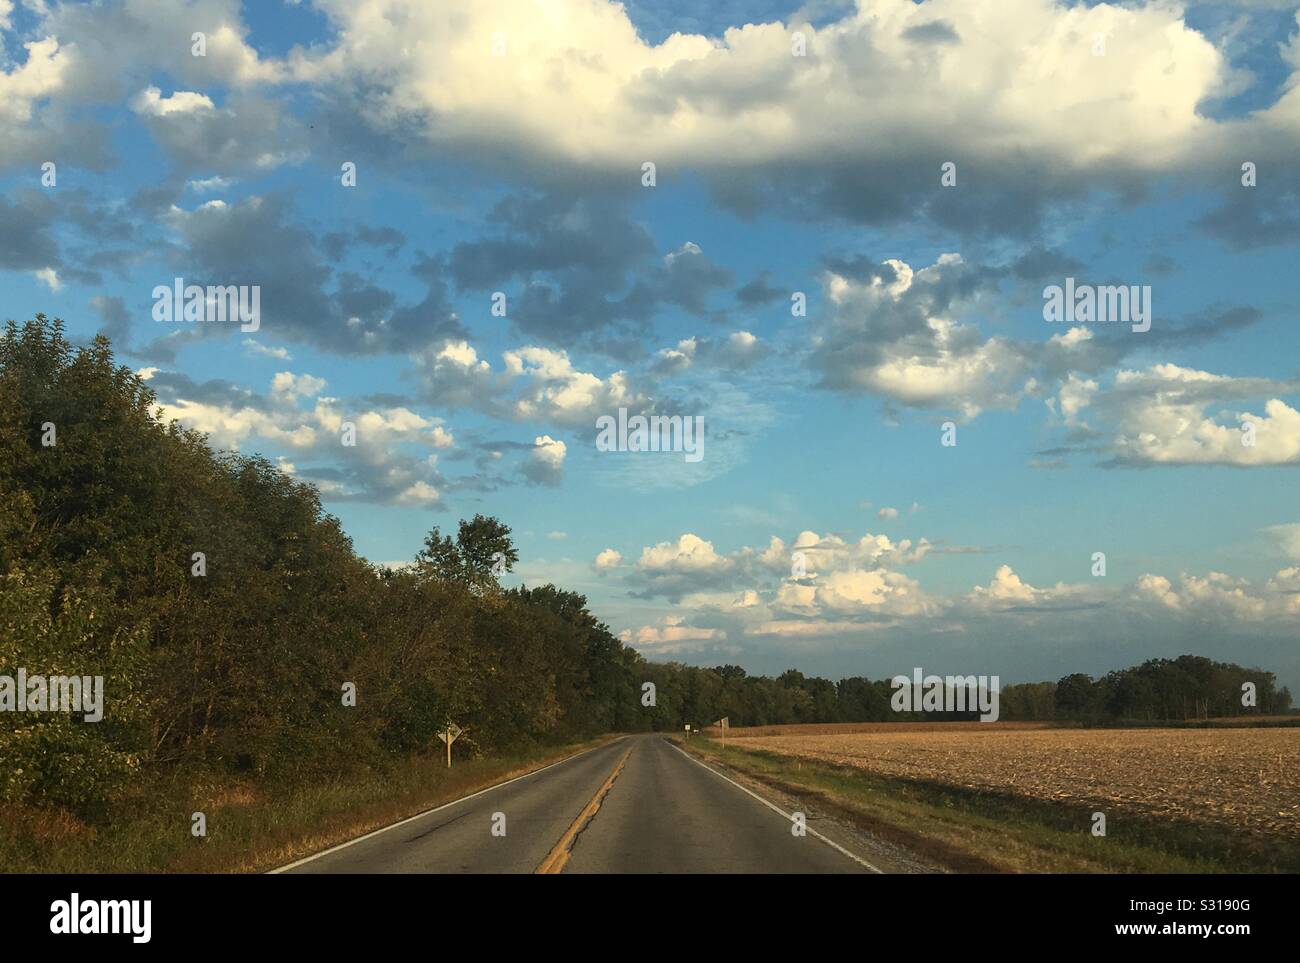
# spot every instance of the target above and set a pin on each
(33, 222)
(689, 277)
(909, 336)
(936, 31)
(871, 592)
(114, 321)
(534, 384)
(739, 351)
(1074, 395)
(1165, 435)
(668, 635)
(425, 76)
(206, 184)
(255, 347)
(287, 386)
(1218, 598)
(151, 103)
(758, 293)
(1161, 419)
(678, 359)
(248, 135)
(554, 390)
(607, 559)
(890, 331)
(691, 566)
(393, 460)
(689, 553)
(453, 376)
(1003, 623)
(589, 272)
(113, 46)
(674, 569)
(418, 493)
(851, 599)
(413, 82)
(34, 125)
(304, 297)
(1008, 592)
(1286, 581)
(742, 349)
(1288, 537)
(96, 54)
(545, 465)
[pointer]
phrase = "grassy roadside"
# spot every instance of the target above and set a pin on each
(969, 831)
(249, 829)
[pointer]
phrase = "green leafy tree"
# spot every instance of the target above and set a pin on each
(480, 554)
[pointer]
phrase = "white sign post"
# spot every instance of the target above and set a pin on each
(449, 735)
(723, 724)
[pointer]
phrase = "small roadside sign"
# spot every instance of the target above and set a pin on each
(449, 734)
(724, 724)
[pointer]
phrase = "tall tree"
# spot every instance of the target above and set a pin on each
(481, 553)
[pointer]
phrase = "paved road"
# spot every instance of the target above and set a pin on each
(635, 805)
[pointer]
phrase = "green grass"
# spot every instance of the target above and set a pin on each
(250, 828)
(978, 831)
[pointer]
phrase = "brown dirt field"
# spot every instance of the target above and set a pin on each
(1240, 778)
(842, 728)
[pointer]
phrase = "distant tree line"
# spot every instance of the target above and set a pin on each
(1188, 687)
(1159, 690)
(239, 634)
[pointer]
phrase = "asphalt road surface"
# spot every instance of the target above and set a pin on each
(635, 805)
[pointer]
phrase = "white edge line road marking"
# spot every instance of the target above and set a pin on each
(429, 812)
(775, 808)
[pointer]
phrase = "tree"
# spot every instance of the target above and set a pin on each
(481, 553)
(1075, 696)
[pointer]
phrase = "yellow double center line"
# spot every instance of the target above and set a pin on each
(557, 858)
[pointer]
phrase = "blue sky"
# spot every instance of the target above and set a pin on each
(519, 170)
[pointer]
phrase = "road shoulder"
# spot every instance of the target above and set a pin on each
(839, 824)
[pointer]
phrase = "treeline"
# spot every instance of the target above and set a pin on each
(1159, 690)
(239, 634)
(1188, 687)
(236, 629)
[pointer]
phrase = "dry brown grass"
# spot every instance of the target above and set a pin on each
(44, 827)
(1245, 779)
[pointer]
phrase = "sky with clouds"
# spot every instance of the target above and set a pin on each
(802, 274)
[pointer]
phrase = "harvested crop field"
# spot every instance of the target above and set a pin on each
(844, 728)
(1240, 778)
